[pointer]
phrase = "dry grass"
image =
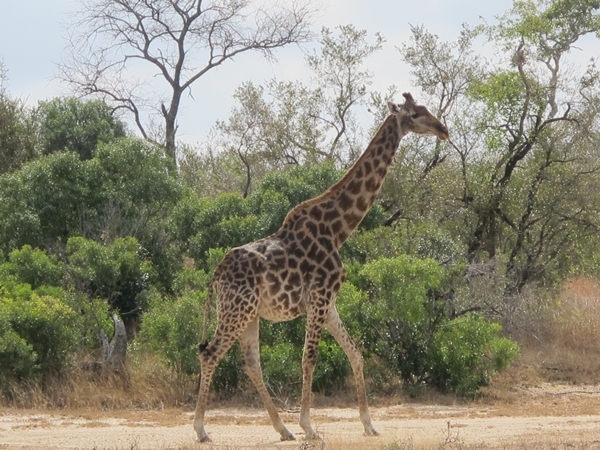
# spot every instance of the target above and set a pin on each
(146, 384)
(566, 348)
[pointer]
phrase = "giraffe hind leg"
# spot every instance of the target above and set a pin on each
(210, 357)
(250, 349)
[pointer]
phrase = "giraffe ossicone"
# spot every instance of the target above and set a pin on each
(298, 271)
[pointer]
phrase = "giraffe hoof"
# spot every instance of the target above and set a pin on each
(371, 432)
(203, 439)
(288, 436)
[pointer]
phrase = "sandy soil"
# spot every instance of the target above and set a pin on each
(546, 416)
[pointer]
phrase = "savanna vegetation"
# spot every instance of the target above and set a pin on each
(480, 252)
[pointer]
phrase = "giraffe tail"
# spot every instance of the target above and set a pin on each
(206, 319)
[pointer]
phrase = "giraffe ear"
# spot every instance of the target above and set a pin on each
(394, 108)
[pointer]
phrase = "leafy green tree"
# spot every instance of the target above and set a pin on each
(43, 329)
(138, 172)
(32, 266)
(136, 187)
(30, 271)
(197, 224)
(333, 367)
(551, 149)
(139, 191)
(521, 126)
(172, 329)
(281, 357)
(76, 125)
(407, 313)
(17, 357)
(17, 130)
(45, 201)
(300, 183)
(116, 272)
(127, 189)
(282, 368)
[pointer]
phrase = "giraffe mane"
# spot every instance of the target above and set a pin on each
(350, 174)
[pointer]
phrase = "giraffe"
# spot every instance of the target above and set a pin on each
(298, 271)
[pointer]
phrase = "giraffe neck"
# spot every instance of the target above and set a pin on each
(341, 208)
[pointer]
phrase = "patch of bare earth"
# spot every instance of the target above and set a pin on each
(546, 416)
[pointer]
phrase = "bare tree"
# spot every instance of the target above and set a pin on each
(279, 123)
(114, 42)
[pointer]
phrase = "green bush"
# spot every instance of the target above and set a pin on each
(128, 188)
(282, 345)
(466, 352)
(270, 209)
(332, 368)
(229, 377)
(172, 329)
(299, 183)
(403, 320)
(93, 315)
(17, 357)
(201, 224)
(190, 279)
(43, 201)
(403, 283)
(77, 125)
(359, 315)
(32, 266)
(37, 337)
(282, 368)
(116, 272)
(404, 315)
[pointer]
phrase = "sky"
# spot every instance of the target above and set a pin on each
(32, 39)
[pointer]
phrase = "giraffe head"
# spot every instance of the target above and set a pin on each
(417, 119)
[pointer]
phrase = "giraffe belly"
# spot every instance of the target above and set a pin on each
(282, 307)
(275, 316)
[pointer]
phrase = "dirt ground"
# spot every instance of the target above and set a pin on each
(546, 416)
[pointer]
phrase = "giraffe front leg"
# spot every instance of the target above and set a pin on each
(335, 326)
(251, 351)
(309, 361)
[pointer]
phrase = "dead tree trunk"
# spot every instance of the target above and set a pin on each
(113, 354)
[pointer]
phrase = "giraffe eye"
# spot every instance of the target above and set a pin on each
(414, 116)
